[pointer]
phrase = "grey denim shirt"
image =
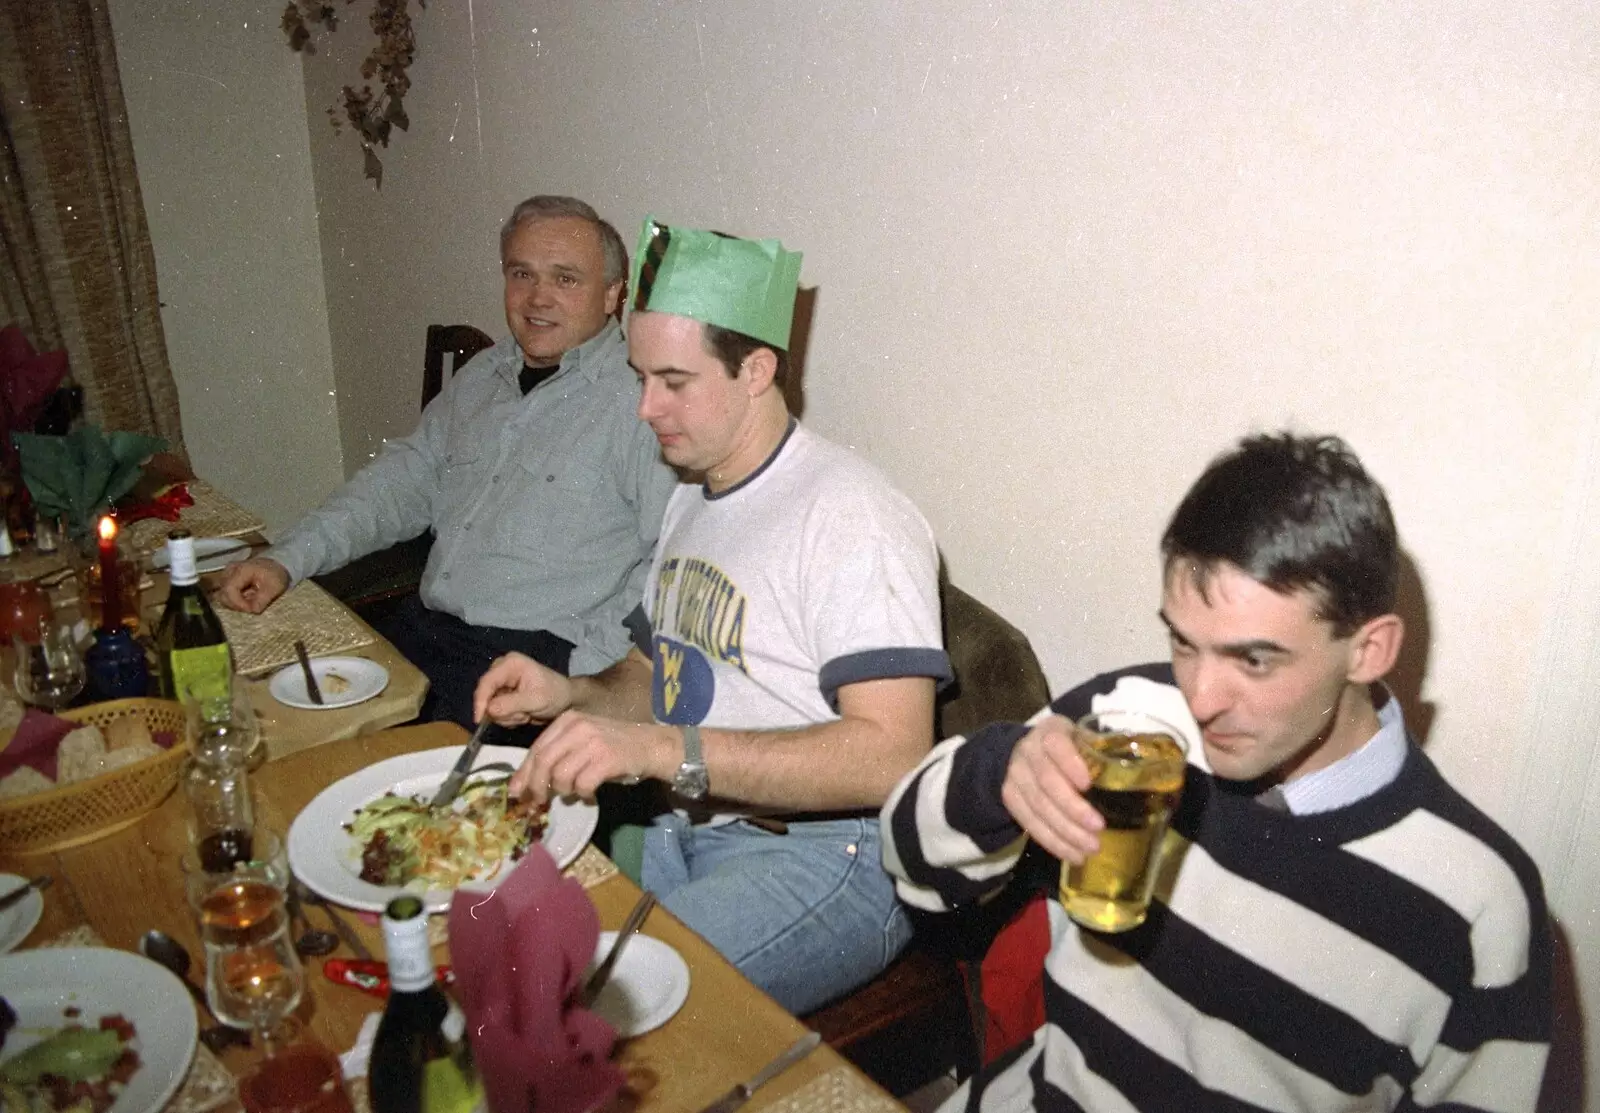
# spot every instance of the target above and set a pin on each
(545, 507)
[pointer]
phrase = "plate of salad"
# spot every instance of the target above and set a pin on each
(91, 1030)
(372, 836)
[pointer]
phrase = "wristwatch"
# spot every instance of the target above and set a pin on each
(691, 781)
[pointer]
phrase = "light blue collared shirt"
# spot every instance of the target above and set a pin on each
(1357, 776)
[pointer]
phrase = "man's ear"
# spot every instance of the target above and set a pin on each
(1375, 647)
(761, 365)
(614, 299)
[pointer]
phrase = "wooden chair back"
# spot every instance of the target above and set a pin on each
(460, 343)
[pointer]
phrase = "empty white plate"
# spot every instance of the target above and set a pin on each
(647, 987)
(343, 680)
(21, 918)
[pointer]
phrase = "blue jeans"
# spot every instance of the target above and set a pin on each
(807, 916)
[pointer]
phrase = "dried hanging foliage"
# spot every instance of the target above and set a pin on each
(372, 112)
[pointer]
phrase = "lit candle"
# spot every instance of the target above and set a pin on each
(110, 586)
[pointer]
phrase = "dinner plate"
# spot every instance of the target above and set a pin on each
(18, 920)
(327, 857)
(647, 987)
(210, 553)
(344, 681)
(98, 981)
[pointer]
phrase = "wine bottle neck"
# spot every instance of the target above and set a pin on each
(180, 562)
(410, 958)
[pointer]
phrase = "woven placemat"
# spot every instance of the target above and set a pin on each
(841, 1090)
(208, 1083)
(589, 868)
(212, 515)
(266, 641)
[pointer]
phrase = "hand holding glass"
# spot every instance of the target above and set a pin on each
(1137, 764)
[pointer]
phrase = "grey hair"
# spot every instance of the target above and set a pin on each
(547, 205)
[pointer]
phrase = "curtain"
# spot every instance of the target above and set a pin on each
(77, 270)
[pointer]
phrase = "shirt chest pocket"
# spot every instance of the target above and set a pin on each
(567, 510)
(460, 483)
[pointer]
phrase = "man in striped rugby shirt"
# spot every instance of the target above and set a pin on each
(1335, 928)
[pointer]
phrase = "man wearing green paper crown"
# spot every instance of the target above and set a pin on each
(786, 650)
(542, 489)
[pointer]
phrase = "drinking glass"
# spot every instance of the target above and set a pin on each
(295, 1074)
(259, 856)
(253, 976)
(1137, 764)
(232, 724)
(50, 670)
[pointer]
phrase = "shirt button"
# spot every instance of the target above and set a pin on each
(494, 479)
(467, 527)
(446, 576)
(549, 479)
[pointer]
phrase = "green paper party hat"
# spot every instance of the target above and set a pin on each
(744, 285)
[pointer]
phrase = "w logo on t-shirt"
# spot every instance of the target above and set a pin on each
(682, 684)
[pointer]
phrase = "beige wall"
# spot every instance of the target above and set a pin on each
(216, 103)
(1063, 254)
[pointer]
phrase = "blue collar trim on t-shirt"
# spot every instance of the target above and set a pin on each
(712, 496)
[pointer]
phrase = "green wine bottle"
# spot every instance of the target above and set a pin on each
(421, 1060)
(193, 650)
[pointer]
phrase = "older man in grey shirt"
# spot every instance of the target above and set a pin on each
(544, 490)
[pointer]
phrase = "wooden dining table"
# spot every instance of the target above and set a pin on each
(129, 882)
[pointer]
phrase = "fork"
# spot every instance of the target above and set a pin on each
(597, 980)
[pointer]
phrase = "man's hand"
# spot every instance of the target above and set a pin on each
(578, 753)
(251, 585)
(518, 690)
(1044, 788)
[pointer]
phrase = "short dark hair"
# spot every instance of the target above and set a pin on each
(1292, 513)
(731, 348)
(548, 206)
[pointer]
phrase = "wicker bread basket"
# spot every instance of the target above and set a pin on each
(88, 810)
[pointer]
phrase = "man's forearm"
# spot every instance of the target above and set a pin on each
(621, 691)
(842, 765)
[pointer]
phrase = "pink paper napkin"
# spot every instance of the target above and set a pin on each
(519, 954)
(35, 743)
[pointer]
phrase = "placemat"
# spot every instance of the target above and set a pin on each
(212, 515)
(266, 641)
(208, 1083)
(841, 1090)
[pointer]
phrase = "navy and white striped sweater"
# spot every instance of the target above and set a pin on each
(1391, 954)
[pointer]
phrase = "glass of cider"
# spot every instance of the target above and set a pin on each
(1137, 765)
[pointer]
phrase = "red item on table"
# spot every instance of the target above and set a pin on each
(519, 954)
(370, 976)
(110, 576)
(34, 744)
(168, 504)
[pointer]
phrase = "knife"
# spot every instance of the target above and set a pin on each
(42, 882)
(452, 783)
(740, 1094)
(311, 678)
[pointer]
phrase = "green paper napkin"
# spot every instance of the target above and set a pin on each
(81, 475)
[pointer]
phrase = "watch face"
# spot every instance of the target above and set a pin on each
(691, 781)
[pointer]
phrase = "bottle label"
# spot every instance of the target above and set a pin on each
(445, 1089)
(410, 963)
(180, 561)
(204, 675)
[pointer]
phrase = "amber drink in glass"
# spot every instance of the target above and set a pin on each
(1137, 762)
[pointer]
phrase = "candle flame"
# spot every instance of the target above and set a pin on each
(108, 528)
